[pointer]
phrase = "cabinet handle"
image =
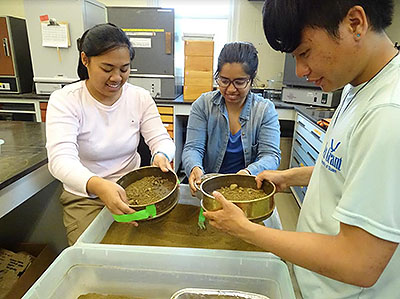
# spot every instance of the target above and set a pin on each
(5, 46)
(315, 134)
(312, 158)
(168, 43)
(298, 142)
(301, 124)
(297, 161)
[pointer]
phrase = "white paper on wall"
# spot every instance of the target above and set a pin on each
(56, 36)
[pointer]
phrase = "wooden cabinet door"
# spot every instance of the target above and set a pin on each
(6, 63)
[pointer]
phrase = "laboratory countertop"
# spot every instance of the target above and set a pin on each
(23, 150)
(314, 114)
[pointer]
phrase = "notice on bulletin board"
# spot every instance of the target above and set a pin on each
(140, 42)
(56, 36)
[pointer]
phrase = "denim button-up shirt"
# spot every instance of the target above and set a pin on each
(208, 134)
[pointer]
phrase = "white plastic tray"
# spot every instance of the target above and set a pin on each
(158, 272)
(100, 225)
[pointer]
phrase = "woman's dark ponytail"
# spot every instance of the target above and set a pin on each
(82, 70)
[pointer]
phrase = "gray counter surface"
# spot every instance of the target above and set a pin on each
(23, 150)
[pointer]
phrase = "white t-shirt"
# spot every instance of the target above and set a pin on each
(356, 181)
(86, 138)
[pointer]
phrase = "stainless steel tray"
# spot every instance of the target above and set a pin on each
(196, 293)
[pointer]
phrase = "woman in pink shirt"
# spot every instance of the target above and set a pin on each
(93, 129)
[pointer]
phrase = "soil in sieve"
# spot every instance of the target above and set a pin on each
(148, 190)
(178, 228)
(236, 193)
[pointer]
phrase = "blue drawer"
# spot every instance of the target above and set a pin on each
(297, 161)
(306, 151)
(310, 132)
(300, 193)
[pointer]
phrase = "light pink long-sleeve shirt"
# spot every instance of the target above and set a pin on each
(86, 138)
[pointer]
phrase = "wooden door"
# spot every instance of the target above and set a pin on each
(6, 63)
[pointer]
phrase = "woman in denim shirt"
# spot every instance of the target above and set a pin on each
(232, 130)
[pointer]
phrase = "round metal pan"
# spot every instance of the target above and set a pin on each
(160, 206)
(255, 210)
(203, 178)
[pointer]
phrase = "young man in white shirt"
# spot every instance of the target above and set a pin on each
(346, 244)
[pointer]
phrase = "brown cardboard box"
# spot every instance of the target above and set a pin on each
(44, 256)
(199, 48)
(198, 68)
(199, 63)
(192, 92)
(199, 78)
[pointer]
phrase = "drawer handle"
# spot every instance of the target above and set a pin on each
(297, 161)
(298, 142)
(315, 134)
(301, 124)
(168, 43)
(5, 46)
(312, 158)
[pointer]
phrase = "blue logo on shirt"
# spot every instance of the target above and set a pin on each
(329, 158)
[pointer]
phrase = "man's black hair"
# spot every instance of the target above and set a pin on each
(284, 20)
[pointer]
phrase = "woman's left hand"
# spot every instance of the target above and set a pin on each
(230, 218)
(160, 160)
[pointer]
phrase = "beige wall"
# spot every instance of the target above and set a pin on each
(16, 7)
(125, 2)
(394, 30)
(12, 8)
(248, 28)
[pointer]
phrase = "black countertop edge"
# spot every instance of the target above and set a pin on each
(282, 105)
(45, 98)
(178, 100)
(22, 174)
(30, 95)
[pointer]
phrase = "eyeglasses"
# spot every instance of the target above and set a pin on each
(237, 83)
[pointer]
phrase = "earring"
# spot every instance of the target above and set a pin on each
(358, 34)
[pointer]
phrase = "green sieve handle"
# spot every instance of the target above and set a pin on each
(202, 219)
(149, 211)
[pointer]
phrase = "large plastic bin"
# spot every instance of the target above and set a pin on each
(158, 272)
(100, 225)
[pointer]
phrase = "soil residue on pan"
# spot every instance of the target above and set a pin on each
(236, 193)
(148, 190)
(176, 229)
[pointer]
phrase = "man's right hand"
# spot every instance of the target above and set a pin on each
(296, 176)
(195, 177)
(275, 176)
